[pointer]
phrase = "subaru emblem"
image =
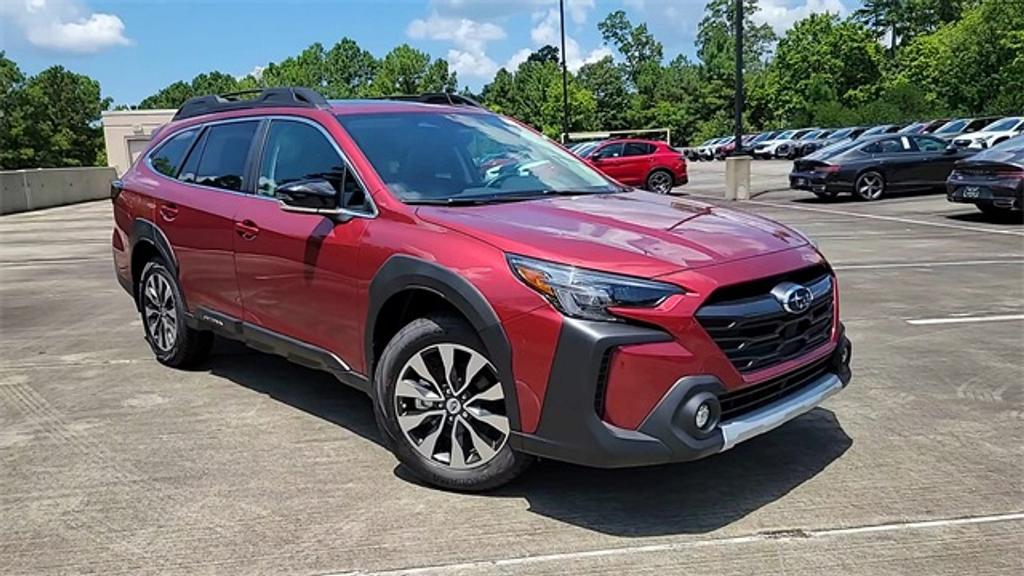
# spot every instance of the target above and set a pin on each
(794, 298)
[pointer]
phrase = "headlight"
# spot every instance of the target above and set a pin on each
(587, 294)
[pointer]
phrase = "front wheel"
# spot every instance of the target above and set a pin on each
(660, 181)
(870, 185)
(441, 406)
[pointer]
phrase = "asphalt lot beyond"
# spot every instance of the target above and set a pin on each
(111, 463)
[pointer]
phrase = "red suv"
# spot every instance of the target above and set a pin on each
(494, 311)
(649, 164)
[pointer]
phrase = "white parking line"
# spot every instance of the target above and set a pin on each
(873, 216)
(965, 319)
(924, 264)
(472, 567)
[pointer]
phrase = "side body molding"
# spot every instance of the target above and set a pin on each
(401, 273)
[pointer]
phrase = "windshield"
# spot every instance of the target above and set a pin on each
(1011, 150)
(452, 157)
(875, 130)
(952, 126)
(841, 134)
(1004, 125)
(584, 149)
(786, 135)
(913, 128)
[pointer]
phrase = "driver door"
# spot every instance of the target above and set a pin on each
(609, 159)
(297, 273)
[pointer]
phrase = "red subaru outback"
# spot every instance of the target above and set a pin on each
(494, 311)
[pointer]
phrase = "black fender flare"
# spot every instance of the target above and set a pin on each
(402, 272)
(146, 231)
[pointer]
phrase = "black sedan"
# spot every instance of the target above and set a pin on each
(992, 180)
(873, 166)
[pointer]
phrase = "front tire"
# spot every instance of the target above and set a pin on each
(870, 185)
(173, 342)
(660, 181)
(442, 409)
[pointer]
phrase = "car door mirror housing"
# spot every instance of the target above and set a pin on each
(952, 149)
(314, 196)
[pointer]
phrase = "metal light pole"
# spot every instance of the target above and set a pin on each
(565, 76)
(738, 149)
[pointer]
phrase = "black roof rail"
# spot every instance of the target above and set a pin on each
(443, 98)
(267, 98)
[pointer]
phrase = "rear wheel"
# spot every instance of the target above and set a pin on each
(441, 406)
(163, 319)
(660, 181)
(870, 185)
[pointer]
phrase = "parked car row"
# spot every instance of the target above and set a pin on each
(971, 133)
(871, 167)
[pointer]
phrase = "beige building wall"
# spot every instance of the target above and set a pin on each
(127, 132)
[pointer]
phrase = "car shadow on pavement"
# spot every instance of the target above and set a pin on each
(313, 391)
(692, 497)
(975, 216)
(687, 498)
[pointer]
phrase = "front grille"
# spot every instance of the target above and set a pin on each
(754, 331)
(740, 402)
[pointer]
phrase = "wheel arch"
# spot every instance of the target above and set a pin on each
(403, 280)
(148, 241)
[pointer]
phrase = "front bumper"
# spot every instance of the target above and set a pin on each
(571, 430)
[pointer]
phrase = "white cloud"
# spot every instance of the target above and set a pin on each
(64, 25)
(547, 30)
(781, 16)
(578, 10)
(518, 58)
(469, 56)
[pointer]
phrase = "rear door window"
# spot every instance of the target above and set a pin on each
(638, 149)
(224, 155)
(886, 146)
(167, 159)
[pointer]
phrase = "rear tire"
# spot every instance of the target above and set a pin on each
(449, 426)
(869, 186)
(162, 307)
(660, 181)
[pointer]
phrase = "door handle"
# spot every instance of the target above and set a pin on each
(169, 211)
(247, 229)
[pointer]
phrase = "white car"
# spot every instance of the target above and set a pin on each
(992, 134)
(786, 140)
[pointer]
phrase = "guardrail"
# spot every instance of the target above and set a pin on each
(24, 190)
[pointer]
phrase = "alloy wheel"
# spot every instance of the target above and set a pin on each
(870, 186)
(451, 407)
(660, 182)
(160, 312)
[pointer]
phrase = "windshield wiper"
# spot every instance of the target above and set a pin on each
(500, 198)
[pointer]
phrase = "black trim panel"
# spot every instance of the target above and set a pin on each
(402, 273)
(146, 231)
(271, 342)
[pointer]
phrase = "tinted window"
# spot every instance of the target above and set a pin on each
(887, 146)
(638, 149)
(223, 161)
(929, 144)
(1004, 125)
(609, 151)
(168, 158)
(295, 152)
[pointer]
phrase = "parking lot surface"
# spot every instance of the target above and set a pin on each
(111, 463)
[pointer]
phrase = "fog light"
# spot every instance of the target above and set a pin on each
(844, 357)
(703, 416)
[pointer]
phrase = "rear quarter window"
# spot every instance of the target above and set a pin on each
(167, 158)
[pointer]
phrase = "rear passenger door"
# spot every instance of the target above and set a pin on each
(639, 159)
(196, 213)
(298, 273)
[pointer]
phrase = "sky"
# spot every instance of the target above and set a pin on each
(135, 47)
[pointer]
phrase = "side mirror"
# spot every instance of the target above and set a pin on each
(952, 149)
(316, 196)
(596, 159)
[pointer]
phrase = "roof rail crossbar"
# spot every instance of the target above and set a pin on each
(267, 97)
(444, 98)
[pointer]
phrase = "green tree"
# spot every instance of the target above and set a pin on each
(605, 81)
(406, 70)
(348, 70)
(13, 147)
(636, 44)
(716, 34)
(55, 122)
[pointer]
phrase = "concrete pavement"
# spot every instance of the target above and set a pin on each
(111, 463)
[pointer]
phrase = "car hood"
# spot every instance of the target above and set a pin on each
(634, 233)
(986, 135)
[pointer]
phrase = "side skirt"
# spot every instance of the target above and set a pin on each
(271, 342)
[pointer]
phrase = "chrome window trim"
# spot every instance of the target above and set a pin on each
(373, 213)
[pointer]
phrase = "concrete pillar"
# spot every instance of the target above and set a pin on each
(737, 178)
